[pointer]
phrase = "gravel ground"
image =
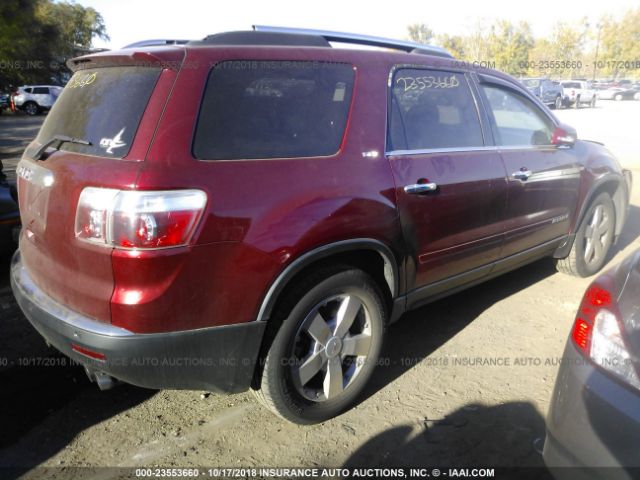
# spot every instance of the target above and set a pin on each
(468, 381)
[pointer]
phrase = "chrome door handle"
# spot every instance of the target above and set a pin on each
(522, 174)
(417, 188)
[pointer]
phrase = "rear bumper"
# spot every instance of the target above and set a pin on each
(219, 359)
(593, 423)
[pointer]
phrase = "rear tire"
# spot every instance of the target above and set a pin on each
(593, 239)
(577, 104)
(326, 349)
(593, 102)
(617, 97)
(31, 108)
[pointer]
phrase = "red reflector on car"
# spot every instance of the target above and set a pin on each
(582, 334)
(88, 353)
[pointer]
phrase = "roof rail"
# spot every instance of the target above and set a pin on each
(155, 43)
(358, 39)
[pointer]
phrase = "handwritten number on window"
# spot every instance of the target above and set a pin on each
(422, 83)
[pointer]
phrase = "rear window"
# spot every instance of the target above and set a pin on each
(103, 106)
(40, 90)
(273, 109)
(571, 85)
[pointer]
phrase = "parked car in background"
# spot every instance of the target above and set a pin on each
(594, 416)
(617, 93)
(257, 218)
(578, 92)
(34, 99)
(5, 102)
(548, 91)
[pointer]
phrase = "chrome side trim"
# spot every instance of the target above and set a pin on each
(490, 148)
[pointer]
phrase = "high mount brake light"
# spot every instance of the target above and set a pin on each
(133, 219)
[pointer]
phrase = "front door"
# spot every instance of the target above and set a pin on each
(543, 180)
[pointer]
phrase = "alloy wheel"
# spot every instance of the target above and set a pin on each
(596, 236)
(331, 347)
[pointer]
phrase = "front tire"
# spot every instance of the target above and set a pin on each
(593, 102)
(617, 97)
(327, 347)
(593, 239)
(558, 103)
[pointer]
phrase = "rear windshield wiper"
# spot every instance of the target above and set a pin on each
(56, 142)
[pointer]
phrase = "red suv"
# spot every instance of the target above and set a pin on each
(252, 210)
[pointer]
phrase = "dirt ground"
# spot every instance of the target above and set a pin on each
(468, 380)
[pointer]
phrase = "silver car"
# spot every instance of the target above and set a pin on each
(34, 99)
(594, 417)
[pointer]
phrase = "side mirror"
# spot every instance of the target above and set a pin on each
(564, 136)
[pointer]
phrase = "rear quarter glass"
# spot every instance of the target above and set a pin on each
(273, 109)
(103, 106)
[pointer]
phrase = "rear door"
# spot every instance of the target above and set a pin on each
(451, 186)
(41, 96)
(543, 180)
(105, 107)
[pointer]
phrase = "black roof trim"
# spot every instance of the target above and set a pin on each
(251, 37)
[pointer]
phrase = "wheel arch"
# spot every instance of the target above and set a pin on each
(616, 186)
(350, 252)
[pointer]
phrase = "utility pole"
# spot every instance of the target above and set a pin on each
(595, 62)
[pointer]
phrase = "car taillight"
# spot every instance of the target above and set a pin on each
(597, 334)
(138, 219)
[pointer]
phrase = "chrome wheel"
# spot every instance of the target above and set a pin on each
(596, 236)
(331, 347)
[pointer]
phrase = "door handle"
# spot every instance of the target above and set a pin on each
(418, 188)
(522, 174)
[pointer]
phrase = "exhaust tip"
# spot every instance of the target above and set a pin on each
(103, 380)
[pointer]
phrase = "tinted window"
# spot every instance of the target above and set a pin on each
(103, 106)
(258, 109)
(40, 90)
(518, 120)
(27, 90)
(430, 110)
(571, 85)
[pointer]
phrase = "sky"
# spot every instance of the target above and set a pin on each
(129, 21)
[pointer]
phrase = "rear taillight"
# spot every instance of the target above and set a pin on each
(598, 335)
(138, 219)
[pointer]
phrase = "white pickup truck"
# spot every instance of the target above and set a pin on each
(576, 93)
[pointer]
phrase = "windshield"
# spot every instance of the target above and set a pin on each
(103, 106)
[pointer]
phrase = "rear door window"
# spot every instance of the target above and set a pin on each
(273, 109)
(432, 109)
(103, 106)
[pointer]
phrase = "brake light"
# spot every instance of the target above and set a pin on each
(598, 335)
(134, 219)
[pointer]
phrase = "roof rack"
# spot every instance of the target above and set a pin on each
(358, 39)
(155, 43)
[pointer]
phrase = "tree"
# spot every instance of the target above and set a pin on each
(38, 36)
(455, 44)
(420, 33)
(509, 45)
